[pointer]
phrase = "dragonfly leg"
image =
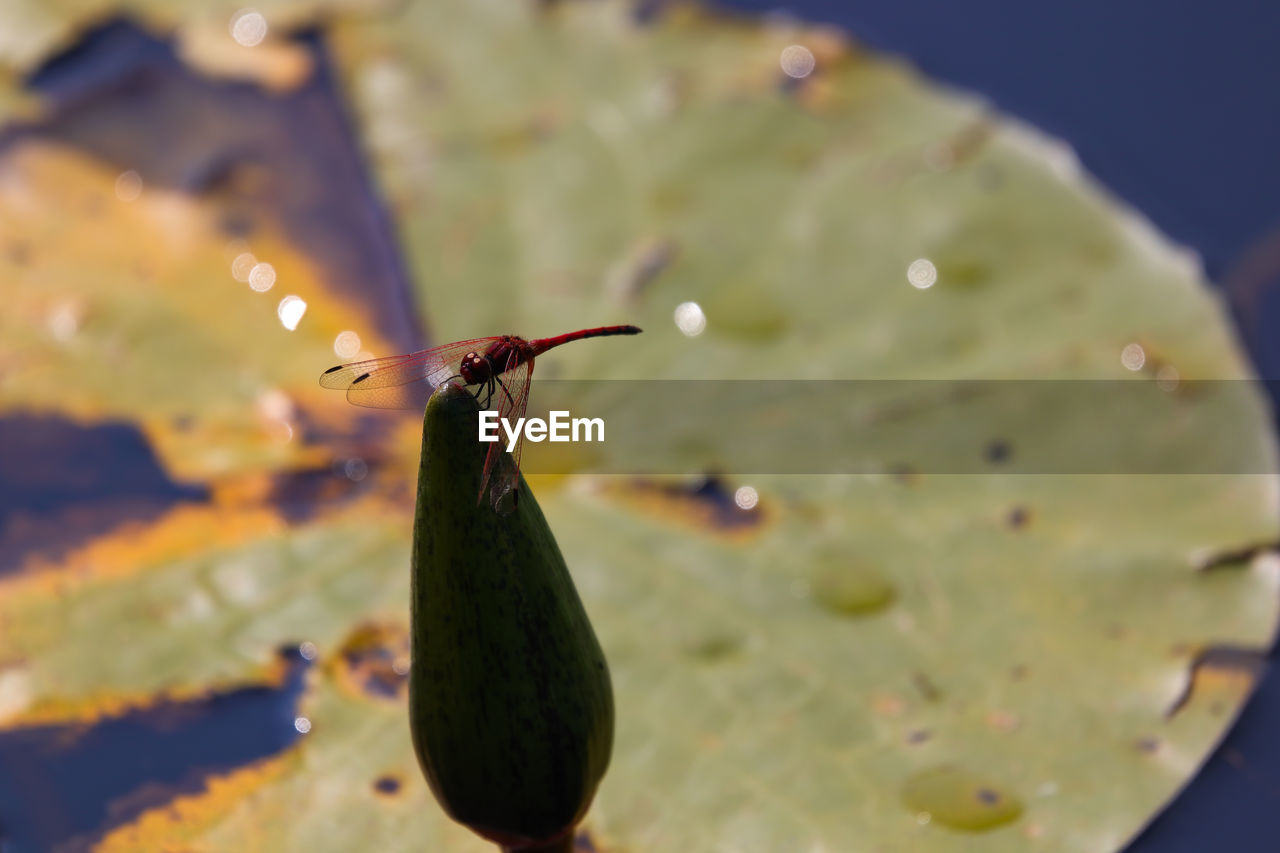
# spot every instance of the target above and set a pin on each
(484, 388)
(494, 381)
(505, 391)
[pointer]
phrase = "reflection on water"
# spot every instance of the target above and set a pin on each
(356, 469)
(129, 186)
(1167, 377)
(922, 274)
(346, 344)
(65, 483)
(287, 159)
(797, 61)
(242, 265)
(689, 319)
(1133, 357)
(64, 320)
(301, 495)
(290, 310)
(64, 785)
(374, 661)
(707, 503)
(283, 161)
(262, 277)
(248, 27)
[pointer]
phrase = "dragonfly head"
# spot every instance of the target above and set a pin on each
(474, 369)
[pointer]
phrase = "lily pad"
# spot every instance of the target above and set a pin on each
(1041, 649)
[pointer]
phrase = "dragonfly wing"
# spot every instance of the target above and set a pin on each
(410, 396)
(519, 388)
(512, 397)
(400, 381)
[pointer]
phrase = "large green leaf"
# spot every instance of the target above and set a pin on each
(884, 661)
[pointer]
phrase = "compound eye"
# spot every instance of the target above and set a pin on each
(473, 368)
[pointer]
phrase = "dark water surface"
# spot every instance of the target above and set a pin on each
(63, 786)
(64, 483)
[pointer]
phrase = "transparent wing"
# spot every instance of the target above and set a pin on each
(518, 386)
(400, 381)
(512, 398)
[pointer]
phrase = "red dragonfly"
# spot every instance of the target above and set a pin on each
(499, 368)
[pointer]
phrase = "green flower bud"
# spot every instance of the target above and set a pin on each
(510, 703)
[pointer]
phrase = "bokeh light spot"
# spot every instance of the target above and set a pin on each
(290, 311)
(128, 186)
(346, 344)
(242, 265)
(922, 274)
(262, 277)
(248, 27)
(797, 61)
(275, 405)
(1133, 357)
(689, 319)
(64, 321)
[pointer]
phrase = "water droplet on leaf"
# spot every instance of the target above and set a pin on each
(851, 588)
(956, 798)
